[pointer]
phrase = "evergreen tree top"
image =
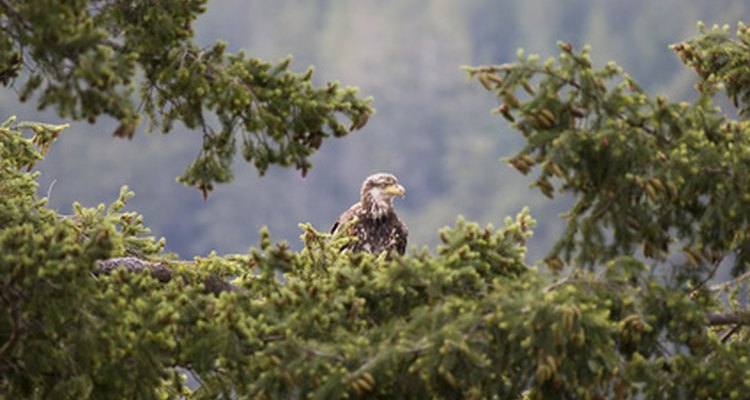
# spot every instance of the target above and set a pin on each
(93, 308)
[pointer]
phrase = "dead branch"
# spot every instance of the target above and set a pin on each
(729, 318)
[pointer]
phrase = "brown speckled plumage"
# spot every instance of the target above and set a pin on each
(378, 228)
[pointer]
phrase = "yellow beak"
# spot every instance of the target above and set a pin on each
(396, 190)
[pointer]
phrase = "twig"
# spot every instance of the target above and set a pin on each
(538, 70)
(556, 284)
(710, 275)
(728, 333)
(49, 189)
(383, 354)
(726, 285)
(15, 312)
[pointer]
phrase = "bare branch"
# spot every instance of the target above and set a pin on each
(726, 285)
(728, 333)
(556, 284)
(711, 274)
(729, 318)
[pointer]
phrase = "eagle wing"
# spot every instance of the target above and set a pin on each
(346, 217)
(400, 236)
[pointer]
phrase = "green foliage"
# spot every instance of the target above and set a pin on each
(472, 320)
(648, 174)
(720, 62)
(52, 320)
(85, 58)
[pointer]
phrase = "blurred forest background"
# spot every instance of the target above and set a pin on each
(432, 128)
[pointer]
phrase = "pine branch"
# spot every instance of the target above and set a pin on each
(729, 318)
(160, 271)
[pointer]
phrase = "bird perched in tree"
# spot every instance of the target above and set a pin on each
(377, 227)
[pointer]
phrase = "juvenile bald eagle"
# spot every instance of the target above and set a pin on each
(378, 228)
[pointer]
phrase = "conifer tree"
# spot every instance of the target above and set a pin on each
(93, 308)
(127, 59)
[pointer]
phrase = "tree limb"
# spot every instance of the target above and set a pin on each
(160, 271)
(728, 318)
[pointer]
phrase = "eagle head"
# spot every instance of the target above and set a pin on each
(377, 194)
